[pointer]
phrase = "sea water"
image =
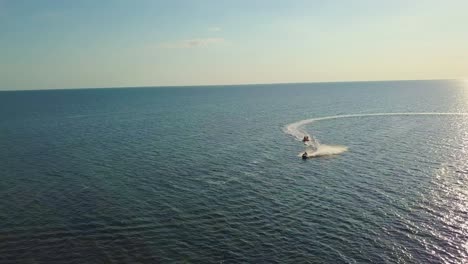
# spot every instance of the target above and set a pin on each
(212, 174)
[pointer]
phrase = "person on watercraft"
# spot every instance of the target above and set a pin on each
(305, 139)
(305, 155)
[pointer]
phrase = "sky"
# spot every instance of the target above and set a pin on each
(52, 44)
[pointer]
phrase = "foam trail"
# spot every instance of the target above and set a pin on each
(324, 150)
(315, 149)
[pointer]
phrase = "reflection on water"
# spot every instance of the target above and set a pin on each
(450, 197)
(438, 221)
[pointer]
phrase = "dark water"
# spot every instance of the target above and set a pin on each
(207, 175)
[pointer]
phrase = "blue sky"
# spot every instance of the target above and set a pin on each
(73, 44)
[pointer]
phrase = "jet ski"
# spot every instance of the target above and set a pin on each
(305, 139)
(305, 156)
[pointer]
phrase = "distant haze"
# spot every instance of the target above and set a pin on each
(73, 44)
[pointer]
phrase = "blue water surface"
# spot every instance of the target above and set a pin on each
(208, 175)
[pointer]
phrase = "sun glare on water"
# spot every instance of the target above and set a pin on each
(463, 82)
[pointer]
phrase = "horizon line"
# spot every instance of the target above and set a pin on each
(221, 85)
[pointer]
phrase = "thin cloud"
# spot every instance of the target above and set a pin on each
(214, 29)
(193, 43)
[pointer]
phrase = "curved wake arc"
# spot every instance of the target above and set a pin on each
(315, 149)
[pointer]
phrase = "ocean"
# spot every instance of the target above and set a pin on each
(214, 174)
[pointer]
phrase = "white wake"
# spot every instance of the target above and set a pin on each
(315, 149)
